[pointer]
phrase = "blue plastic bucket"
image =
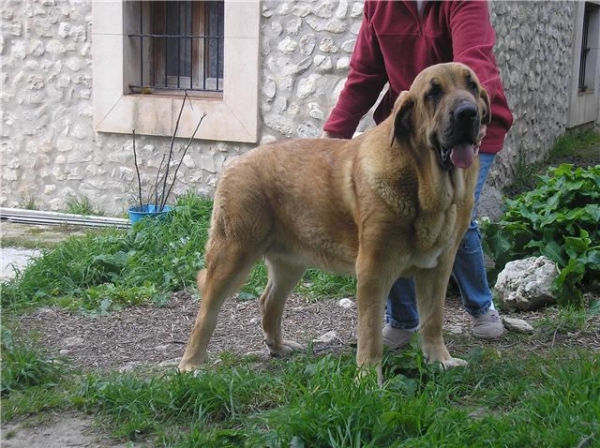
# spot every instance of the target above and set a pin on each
(147, 211)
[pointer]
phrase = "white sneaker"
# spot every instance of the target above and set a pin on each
(396, 338)
(488, 326)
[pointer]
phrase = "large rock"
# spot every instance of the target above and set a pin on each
(526, 284)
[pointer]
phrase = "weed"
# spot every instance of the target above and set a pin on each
(523, 173)
(28, 204)
(573, 144)
(25, 366)
(82, 207)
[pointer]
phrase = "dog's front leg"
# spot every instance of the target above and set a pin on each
(431, 296)
(371, 290)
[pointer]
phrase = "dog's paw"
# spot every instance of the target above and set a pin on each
(368, 375)
(186, 367)
(453, 362)
(285, 348)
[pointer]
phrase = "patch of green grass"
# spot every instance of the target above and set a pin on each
(82, 207)
(114, 268)
(500, 399)
(524, 173)
(28, 203)
(568, 319)
(26, 367)
(151, 259)
(576, 143)
(317, 284)
(580, 147)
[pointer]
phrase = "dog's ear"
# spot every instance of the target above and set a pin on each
(402, 116)
(486, 106)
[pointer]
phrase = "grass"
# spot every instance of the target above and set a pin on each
(579, 146)
(501, 399)
(28, 203)
(111, 269)
(82, 207)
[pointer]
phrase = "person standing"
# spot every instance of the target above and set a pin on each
(396, 41)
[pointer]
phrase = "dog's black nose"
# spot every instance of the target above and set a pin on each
(466, 112)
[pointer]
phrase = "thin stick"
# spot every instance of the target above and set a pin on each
(137, 170)
(162, 197)
(180, 162)
(154, 189)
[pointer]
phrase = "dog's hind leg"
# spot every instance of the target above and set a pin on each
(282, 279)
(225, 273)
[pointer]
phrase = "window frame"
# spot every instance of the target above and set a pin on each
(230, 116)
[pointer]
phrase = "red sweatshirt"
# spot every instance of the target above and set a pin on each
(395, 44)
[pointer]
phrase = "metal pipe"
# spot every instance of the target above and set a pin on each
(57, 218)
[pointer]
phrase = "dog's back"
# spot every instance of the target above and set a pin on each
(292, 199)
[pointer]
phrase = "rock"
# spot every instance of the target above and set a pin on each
(526, 284)
(326, 338)
(346, 303)
(491, 203)
(73, 341)
(455, 329)
(518, 325)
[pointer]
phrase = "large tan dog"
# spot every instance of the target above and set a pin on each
(394, 202)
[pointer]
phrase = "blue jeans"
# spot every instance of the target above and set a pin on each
(468, 271)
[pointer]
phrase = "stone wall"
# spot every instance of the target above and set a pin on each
(50, 153)
(534, 45)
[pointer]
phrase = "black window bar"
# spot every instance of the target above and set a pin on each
(176, 40)
(582, 86)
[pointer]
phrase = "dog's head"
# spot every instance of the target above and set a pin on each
(444, 110)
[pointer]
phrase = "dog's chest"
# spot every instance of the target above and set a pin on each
(433, 232)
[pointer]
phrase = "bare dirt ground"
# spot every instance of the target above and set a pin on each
(145, 337)
(149, 336)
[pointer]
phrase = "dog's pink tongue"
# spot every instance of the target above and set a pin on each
(462, 155)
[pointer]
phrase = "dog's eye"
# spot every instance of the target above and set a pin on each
(472, 85)
(434, 92)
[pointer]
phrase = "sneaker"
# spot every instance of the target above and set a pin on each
(488, 326)
(396, 338)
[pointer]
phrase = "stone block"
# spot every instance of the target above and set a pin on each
(526, 284)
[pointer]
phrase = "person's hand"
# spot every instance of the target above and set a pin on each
(330, 135)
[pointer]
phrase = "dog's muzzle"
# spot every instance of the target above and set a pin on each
(457, 145)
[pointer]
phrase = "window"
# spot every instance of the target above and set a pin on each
(180, 45)
(584, 106)
(141, 66)
(586, 63)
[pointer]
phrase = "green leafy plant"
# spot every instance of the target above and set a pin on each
(25, 366)
(559, 219)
